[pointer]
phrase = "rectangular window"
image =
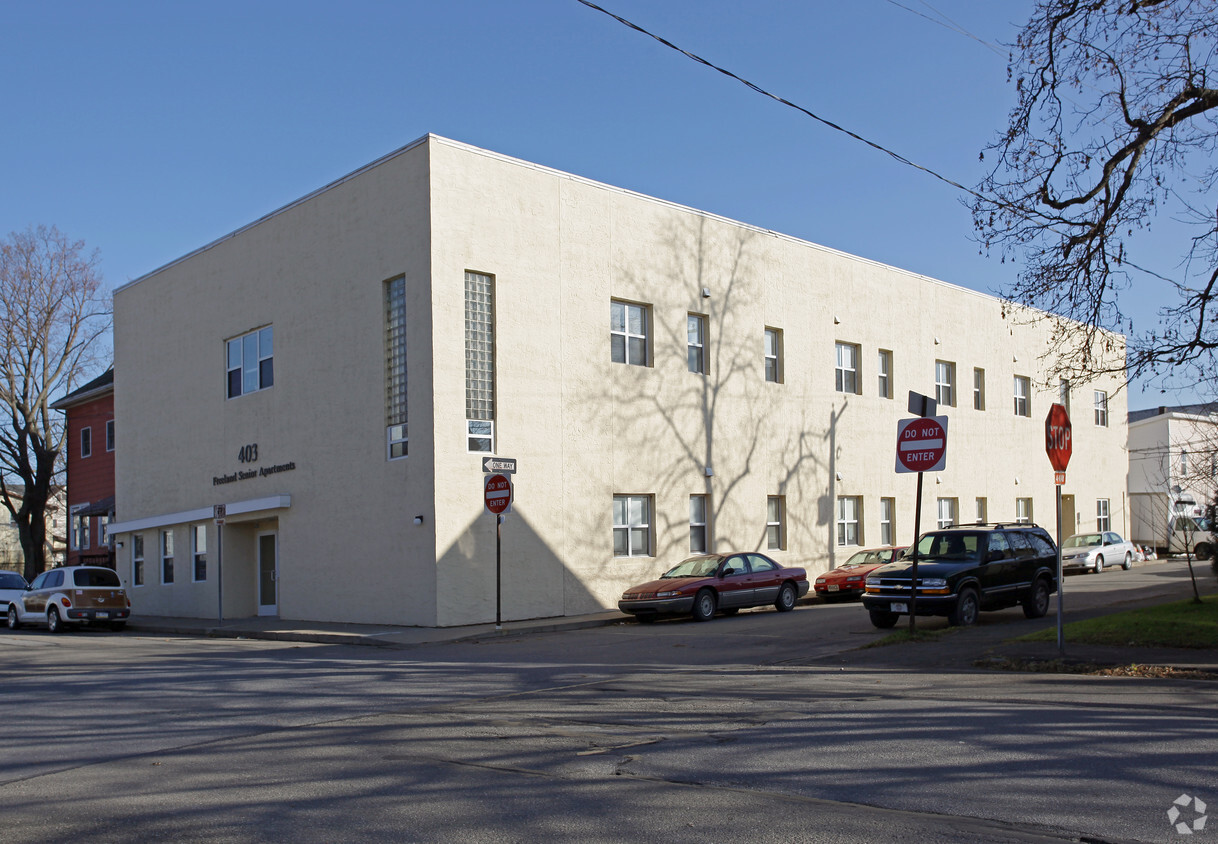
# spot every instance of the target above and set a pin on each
(697, 524)
(888, 525)
(198, 540)
(110, 435)
(983, 507)
(166, 556)
(632, 526)
(945, 383)
(884, 365)
(847, 371)
(479, 362)
(628, 333)
(137, 559)
(251, 362)
(978, 389)
(1023, 395)
(1102, 519)
(1101, 408)
(80, 532)
(103, 532)
(1183, 462)
(848, 511)
(86, 442)
(773, 355)
(1063, 394)
(775, 523)
(396, 439)
(1023, 511)
(946, 512)
(695, 329)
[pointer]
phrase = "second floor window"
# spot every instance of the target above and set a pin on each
(628, 333)
(1023, 395)
(978, 389)
(251, 362)
(1101, 408)
(945, 383)
(695, 329)
(884, 366)
(847, 372)
(773, 355)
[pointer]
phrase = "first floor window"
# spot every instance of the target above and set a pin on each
(847, 371)
(982, 511)
(251, 362)
(166, 556)
(1023, 395)
(697, 524)
(888, 530)
(80, 532)
(397, 441)
(947, 512)
(775, 516)
(479, 435)
(1101, 408)
(199, 551)
(631, 525)
(1102, 519)
(848, 507)
(628, 333)
(945, 383)
(137, 559)
(1023, 511)
(695, 344)
(103, 531)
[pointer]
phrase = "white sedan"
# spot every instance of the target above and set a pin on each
(1093, 551)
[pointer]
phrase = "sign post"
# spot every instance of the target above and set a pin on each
(1059, 445)
(921, 447)
(498, 493)
(219, 512)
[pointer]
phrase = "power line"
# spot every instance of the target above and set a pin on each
(950, 25)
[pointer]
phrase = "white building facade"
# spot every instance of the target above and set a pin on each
(1173, 476)
(335, 373)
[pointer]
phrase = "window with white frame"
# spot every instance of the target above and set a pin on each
(945, 383)
(86, 442)
(1023, 511)
(697, 524)
(479, 362)
(849, 509)
(847, 369)
(1023, 395)
(983, 514)
(1183, 462)
(773, 355)
(80, 532)
(397, 440)
(946, 512)
(884, 365)
(978, 389)
(251, 362)
(166, 556)
(137, 559)
(1101, 408)
(1102, 520)
(695, 343)
(628, 332)
(888, 525)
(1063, 394)
(110, 435)
(775, 522)
(632, 525)
(104, 540)
(198, 541)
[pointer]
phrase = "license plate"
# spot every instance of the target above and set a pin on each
(898, 606)
(103, 615)
(834, 588)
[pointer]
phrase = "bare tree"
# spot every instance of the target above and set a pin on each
(1114, 130)
(52, 313)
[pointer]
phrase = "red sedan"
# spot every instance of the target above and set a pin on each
(846, 581)
(710, 583)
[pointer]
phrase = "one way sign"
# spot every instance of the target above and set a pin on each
(499, 465)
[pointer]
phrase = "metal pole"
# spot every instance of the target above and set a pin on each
(1061, 643)
(220, 572)
(913, 586)
(498, 573)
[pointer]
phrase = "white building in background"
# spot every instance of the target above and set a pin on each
(668, 380)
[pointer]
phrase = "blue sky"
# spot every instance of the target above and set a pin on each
(151, 128)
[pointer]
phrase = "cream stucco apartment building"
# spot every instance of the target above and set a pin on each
(666, 379)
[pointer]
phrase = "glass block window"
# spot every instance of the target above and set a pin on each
(479, 360)
(251, 362)
(395, 368)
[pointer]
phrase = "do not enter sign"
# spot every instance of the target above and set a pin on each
(922, 444)
(498, 493)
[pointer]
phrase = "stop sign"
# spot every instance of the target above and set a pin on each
(498, 493)
(1058, 437)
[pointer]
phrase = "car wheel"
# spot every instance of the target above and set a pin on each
(884, 619)
(1128, 564)
(1203, 551)
(54, 623)
(785, 602)
(1099, 565)
(967, 607)
(704, 605)
(1037, 604)
(118, 626)
(14, 622)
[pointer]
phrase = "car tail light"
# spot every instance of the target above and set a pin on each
(63, 599)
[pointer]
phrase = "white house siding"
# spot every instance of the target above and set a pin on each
(583, 429)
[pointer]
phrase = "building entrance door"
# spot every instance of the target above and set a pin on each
(268, 574)
(1069, 519)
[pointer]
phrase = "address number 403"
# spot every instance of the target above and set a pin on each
(248, 453)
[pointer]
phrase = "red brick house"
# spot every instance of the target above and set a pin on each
(89, 444)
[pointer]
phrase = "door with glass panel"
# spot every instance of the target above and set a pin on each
(268, 574)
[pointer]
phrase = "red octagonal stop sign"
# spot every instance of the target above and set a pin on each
(1058, 437)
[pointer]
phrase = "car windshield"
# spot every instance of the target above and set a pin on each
(11, 580)
(694, 567)
(867, 558)
(95, 577)
(1083, 540)
(950, 546)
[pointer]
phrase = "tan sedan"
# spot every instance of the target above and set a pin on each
(73, 595)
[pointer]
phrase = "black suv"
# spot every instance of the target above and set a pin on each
(965, 569)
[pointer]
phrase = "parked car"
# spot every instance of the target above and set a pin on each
(710, 583)
(12, 586)
(72, 595)
(846, 581)
(964, 570)
(1093, 551)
